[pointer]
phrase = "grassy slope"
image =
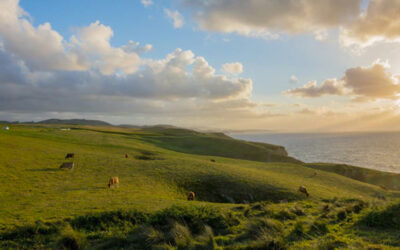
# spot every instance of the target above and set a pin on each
(383, 179)
(34, 188)
(217, 144)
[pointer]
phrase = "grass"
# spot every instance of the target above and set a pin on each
(246, 198)
(383, 179)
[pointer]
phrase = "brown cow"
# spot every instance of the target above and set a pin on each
(68, 165)
(303, 189)
(70, 155)
(212, 160)
(113, 181)
(126, 155)
(191, 196)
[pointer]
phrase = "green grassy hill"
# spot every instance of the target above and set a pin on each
(246, 197)
(383, 179)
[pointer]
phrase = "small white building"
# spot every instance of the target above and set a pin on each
(6, 128)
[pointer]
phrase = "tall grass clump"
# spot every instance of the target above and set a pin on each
(388, 217)
(195, 217)
(103, 221)
(69, 239)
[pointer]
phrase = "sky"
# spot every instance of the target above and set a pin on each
(276, 65)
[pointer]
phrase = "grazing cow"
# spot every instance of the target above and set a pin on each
(70, 155)
(303, 189)
(126, 156)
(191, 196)
(67, 165)
(212, 160)
(113, 181)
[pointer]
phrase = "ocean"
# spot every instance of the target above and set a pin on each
(380, 150)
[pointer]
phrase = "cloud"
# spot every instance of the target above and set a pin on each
(307, 111)
(232, 68)
(147, 3)
(380, 22)
(132, 46)
(360, 83)
(92, 43)
(176, 18)
(293, 79)
(87, 75)
(373, 82)
(41, 47)
(311, 89)
(267, 18)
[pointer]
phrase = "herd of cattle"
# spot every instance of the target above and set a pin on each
(114, 181)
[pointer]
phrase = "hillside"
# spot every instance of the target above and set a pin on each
(383, 179)
(75, 122)
(246, 198)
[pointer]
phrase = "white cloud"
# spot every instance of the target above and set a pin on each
(147, 3)
(232, 68)
(93, 43)
(293, 79)
(176, 18)
(41, 47)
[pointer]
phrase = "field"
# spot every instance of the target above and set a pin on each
(246, 193)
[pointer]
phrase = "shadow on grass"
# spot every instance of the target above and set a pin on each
(226, 189)
(43, 169)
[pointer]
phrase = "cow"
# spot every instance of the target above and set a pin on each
(191, 196)
(212, 160)
(126, 156)
(303, 189)
(113, 181)
(67, 165)
(70, 155)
